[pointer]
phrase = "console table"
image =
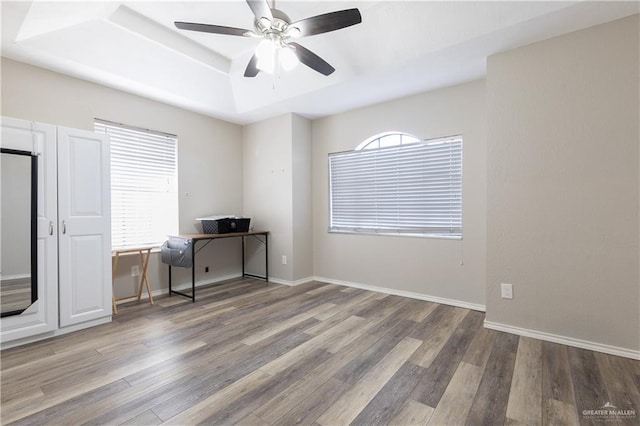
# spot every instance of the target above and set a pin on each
(262, 236)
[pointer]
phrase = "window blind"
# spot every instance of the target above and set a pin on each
(144, 190)
(407, 189)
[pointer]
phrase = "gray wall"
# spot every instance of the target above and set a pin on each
(427, 266)
(209, 155)
(277, 194)
(563, 185)
(302, 199)
(267, 191)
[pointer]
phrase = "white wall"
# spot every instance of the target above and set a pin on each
(563, 186)
(426, 266)
(209, 155)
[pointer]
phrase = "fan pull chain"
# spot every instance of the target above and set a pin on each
(277, 71)
(275, 77)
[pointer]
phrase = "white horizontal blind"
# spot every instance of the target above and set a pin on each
(144, 188)
(406, 189)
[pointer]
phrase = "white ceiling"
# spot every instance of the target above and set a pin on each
(400, 48)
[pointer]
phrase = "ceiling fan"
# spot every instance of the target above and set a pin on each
(277, 32)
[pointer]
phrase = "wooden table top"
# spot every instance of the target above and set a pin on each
(121, 250)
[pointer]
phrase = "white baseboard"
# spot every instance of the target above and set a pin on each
(564, 340)
(412, 295)
(201, 283)
(290, 283)
(187, 286)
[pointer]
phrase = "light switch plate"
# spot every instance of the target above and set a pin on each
(506, 291)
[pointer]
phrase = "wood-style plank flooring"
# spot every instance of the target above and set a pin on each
(256, 353)
(15, 294)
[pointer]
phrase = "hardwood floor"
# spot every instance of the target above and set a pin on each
(254, 353)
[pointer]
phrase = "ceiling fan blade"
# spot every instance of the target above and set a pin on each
(328, 22)
(252, 69)
(260, 9)
(312, 60)
(216, 29)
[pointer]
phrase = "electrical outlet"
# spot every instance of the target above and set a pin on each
(506, 291)
(135, 270)
(206, 269)
(284, 259)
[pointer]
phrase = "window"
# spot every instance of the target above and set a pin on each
(410, 187)
(387, 139)
(144, 187)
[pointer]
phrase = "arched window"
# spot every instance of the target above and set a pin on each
(386, 139)
(395, 183)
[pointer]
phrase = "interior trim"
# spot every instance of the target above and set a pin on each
(564, 340)
(290, 283)
(412, 295)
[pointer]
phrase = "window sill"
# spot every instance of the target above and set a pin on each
(397, 234)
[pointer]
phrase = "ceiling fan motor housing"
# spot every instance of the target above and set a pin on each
(278, 29)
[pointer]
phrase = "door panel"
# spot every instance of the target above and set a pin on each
(84, 220)
(85, 298)
(85, 177)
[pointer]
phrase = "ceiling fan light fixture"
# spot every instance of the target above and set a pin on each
(288, 58)
(266, 54)
(263, 24)
(293, 32)
(271, 55)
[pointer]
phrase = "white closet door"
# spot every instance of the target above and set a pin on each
(84, 211)
(42, 316)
